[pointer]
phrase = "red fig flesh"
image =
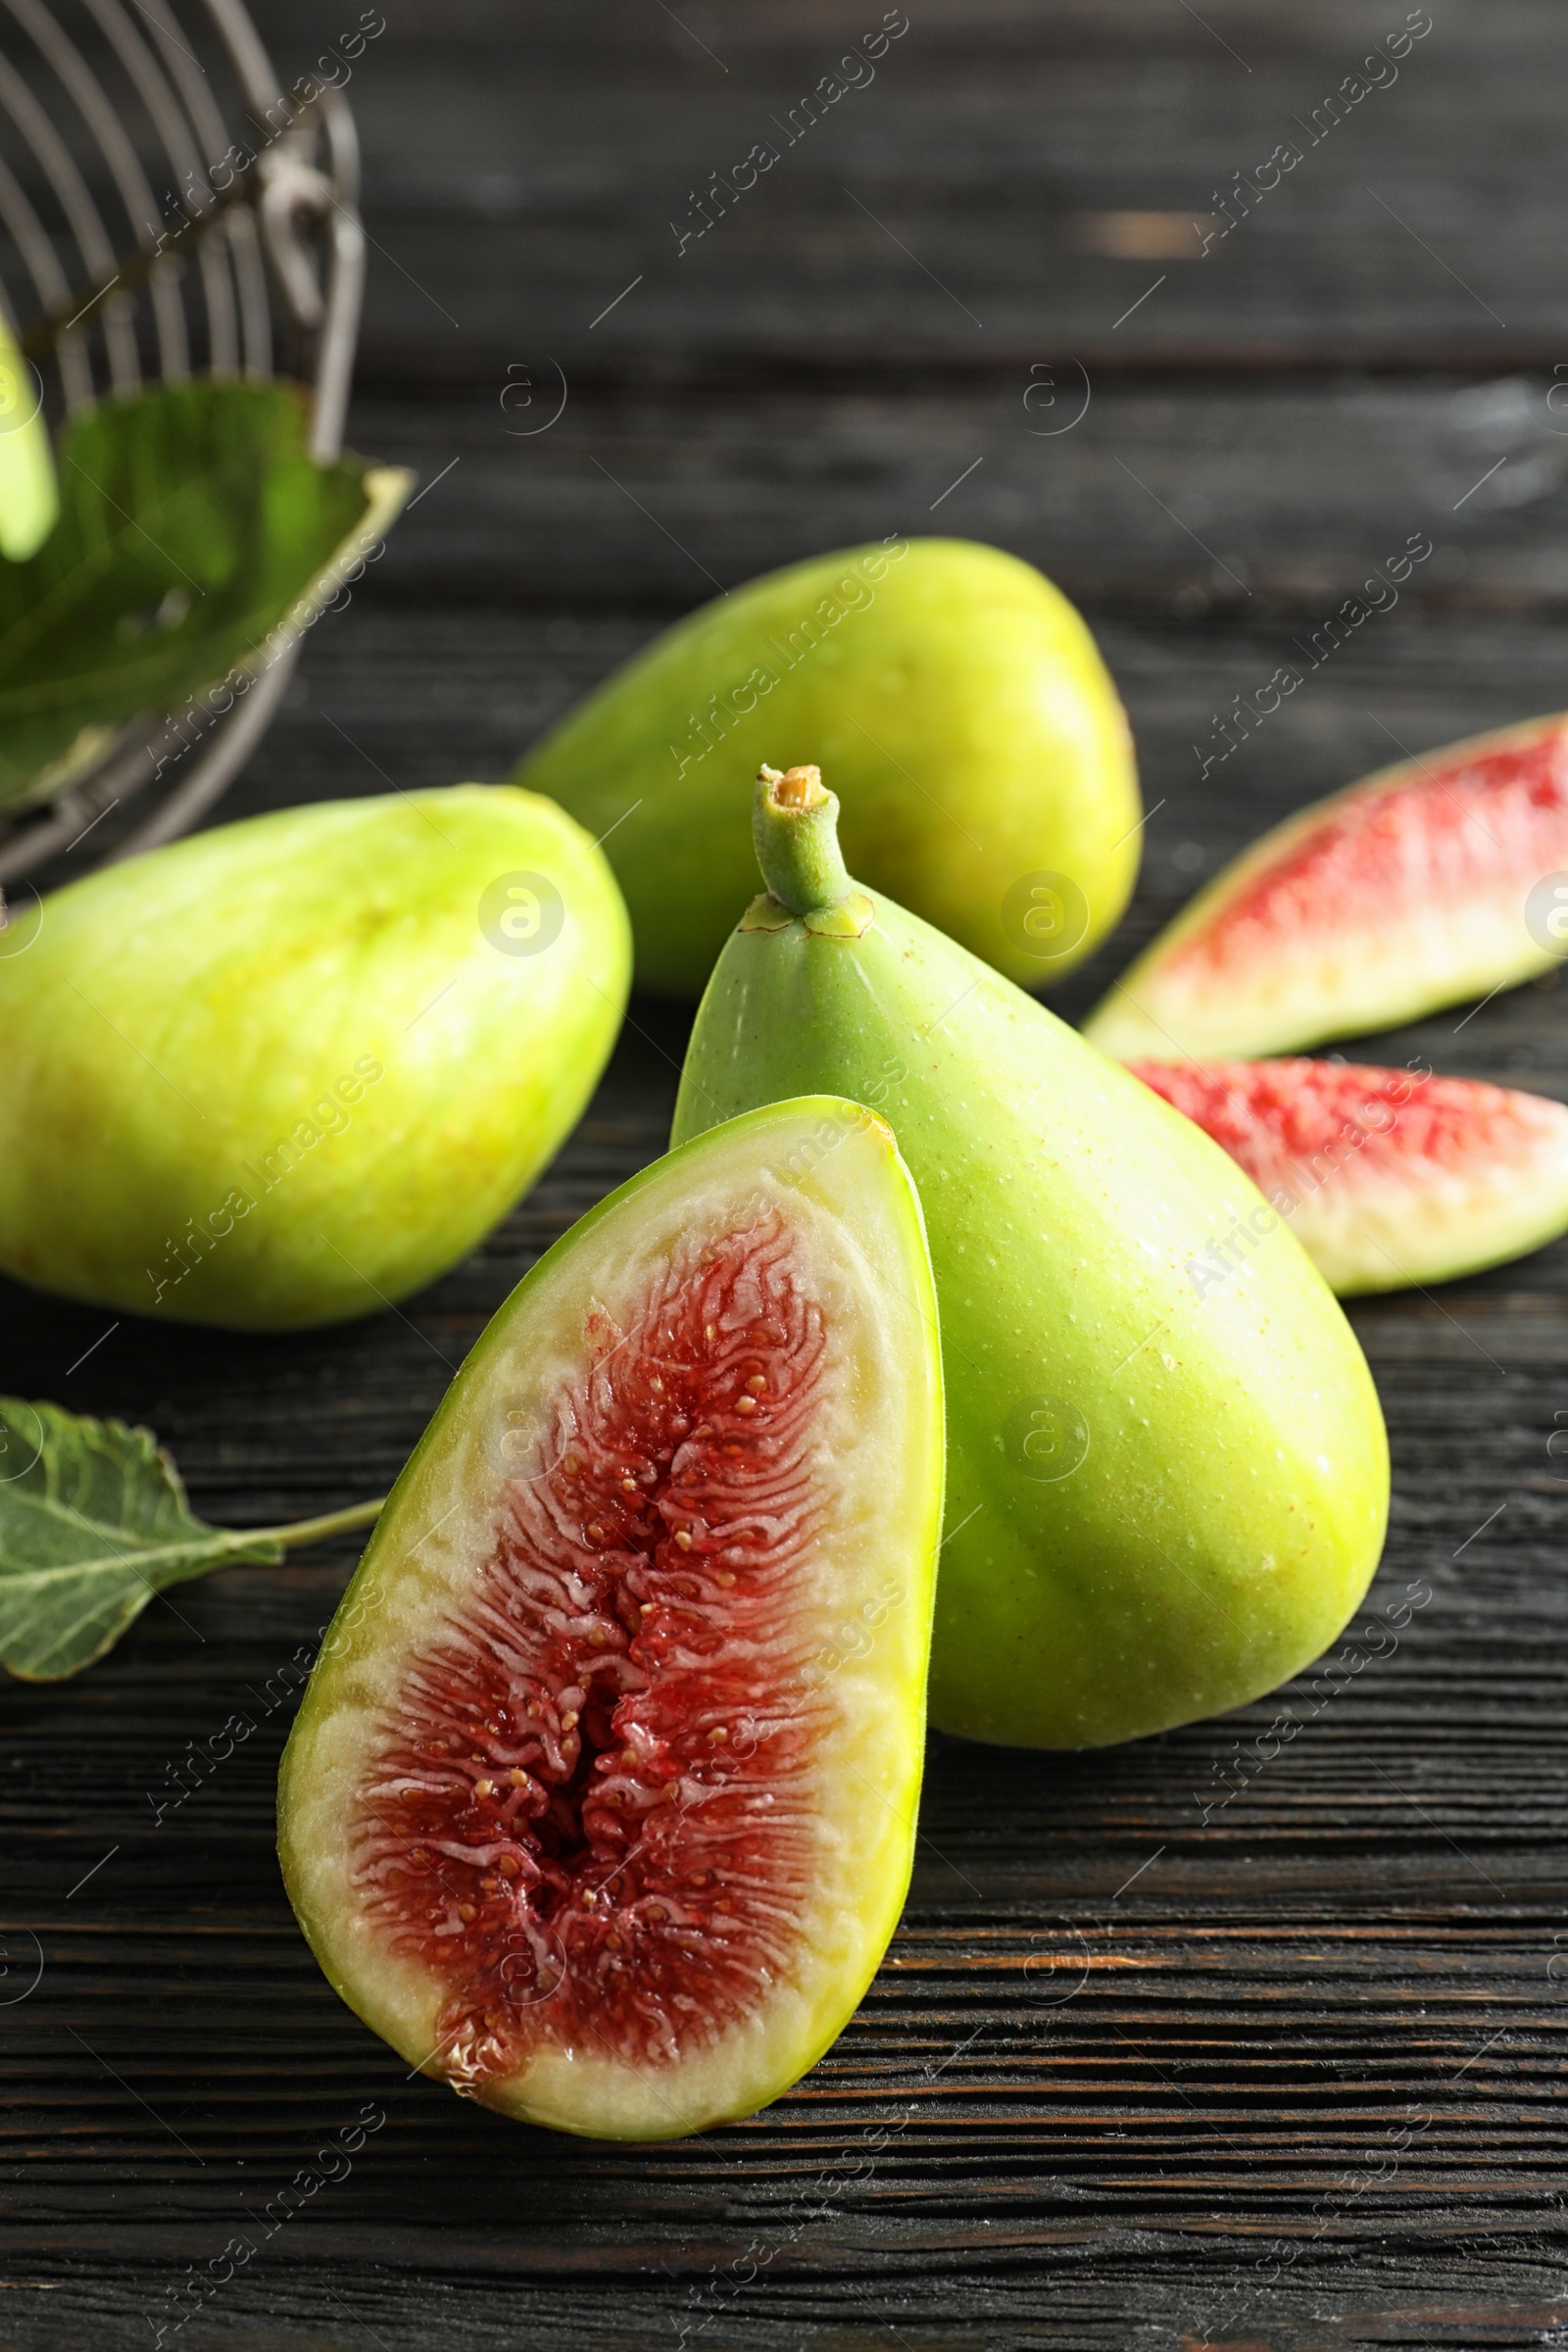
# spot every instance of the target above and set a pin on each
(1386, 1179)
(1424, 885)
(601, 1804)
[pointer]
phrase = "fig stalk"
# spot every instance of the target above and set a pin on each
(317, 1530)
(795, 822)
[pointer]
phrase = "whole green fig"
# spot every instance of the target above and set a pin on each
(293, 1069)
(29, 494)
(1167, 1473)
(983, 757)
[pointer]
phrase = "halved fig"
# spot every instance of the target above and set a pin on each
(1424, 885)
(601, 1804)
(1386, 1178)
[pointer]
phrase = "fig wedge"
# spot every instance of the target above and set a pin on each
(1388, 1178)
(1431, 882)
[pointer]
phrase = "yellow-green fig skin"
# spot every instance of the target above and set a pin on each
(30, 492)
(287, 1071)
(868, 1588)
(1168, 1472)
(957, 700)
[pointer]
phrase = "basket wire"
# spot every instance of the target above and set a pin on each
(113, 274)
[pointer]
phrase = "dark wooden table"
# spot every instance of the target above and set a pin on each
(1295, 2078)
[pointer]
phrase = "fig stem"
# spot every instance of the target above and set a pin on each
(316, 1530)
(794, 827)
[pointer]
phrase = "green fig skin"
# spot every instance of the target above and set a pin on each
(29, 493)
(287, 1071)
(960, 705)
(1167, 1485)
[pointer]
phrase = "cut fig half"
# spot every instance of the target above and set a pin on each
(601, 1804)
(1427, 884)
(1386, 1178)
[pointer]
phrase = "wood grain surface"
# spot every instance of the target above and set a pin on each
(1232, 2036)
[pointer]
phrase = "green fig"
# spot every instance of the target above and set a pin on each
(984, 760)
(291, 1069)
(1168, 1472)
(601, 1804)
(30, 492)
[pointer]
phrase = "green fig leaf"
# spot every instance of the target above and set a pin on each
(193, 522)
(93, 1523)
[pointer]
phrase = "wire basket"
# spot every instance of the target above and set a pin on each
(167, 210)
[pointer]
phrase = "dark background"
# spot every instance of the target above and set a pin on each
(1286, 2076)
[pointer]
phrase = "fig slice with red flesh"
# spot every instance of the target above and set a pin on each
(1424, 885)
(601, 1804)
(1386, 1178)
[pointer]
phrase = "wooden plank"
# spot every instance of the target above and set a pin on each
(977, 195)
(1197, 501)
